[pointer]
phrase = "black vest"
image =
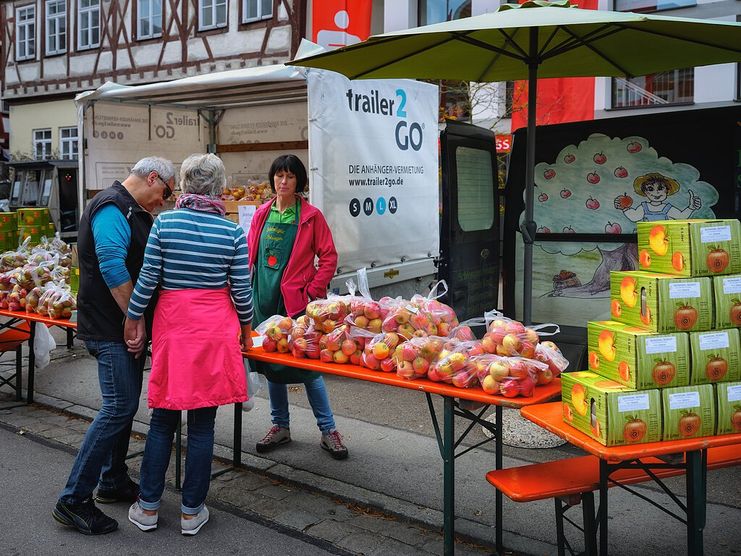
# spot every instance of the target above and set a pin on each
(98, 315)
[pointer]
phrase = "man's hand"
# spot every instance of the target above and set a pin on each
(135, 336)
(245, 337)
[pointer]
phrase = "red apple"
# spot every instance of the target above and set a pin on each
(569, 158)
(592, 204)
(613, 228)
(620, 172)
(549, 174)
(565, 193)
(593, 178)
(634, 147)
(599, 158)
(543, 197)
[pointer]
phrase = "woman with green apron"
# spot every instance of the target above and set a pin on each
(286, 236)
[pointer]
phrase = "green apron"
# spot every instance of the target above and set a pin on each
(276, 244)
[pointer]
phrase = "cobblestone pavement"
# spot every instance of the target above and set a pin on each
(345, 527)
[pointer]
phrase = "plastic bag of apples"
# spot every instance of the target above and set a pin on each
(454, 364)
(276, 330)
(329, 313)
(365, 312)
(414, 357)
(509, 376)
(507, 337)
(304, 339)
(378, 352)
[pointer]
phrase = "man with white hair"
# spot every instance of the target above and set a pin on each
(112, 237)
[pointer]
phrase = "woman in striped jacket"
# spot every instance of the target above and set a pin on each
(202, 321)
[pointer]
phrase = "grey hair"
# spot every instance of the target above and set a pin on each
(203, 174)
(164, 168)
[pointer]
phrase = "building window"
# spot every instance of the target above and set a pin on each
(437, 11)
(212, 14)
(56, 27)
(657, 89)
(651, 5)
(149, 19)
(88, 24)
(68, 143)
(255, 10)
(25, 33)
(41, 144)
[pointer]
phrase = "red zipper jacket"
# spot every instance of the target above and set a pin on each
(302, 279)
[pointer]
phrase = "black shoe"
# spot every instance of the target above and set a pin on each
(85, 517)
(128, 493)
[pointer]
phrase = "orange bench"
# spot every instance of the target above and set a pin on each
(11, 339)
(574, 480)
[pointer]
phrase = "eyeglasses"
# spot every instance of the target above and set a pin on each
(167, 193)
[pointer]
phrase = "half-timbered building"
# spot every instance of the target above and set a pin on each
(54, 49)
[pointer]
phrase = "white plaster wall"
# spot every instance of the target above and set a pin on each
(715, 83)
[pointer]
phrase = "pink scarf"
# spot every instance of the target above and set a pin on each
(204, 203)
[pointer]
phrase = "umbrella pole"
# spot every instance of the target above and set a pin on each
(528, 227)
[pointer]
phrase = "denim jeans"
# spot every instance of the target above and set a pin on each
(102, 456)
(316, 392)
(197, 460)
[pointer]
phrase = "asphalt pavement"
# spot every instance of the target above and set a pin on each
(385, 499)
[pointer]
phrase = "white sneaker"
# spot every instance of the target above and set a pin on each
(140, 519)
(193, 525)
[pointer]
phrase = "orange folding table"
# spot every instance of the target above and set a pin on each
(22, 322)
(447, 443)
(688, 454)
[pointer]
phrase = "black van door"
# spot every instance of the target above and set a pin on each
(469, 241)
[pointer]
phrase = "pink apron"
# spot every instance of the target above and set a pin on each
(196, 356)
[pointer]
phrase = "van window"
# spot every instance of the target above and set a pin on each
(475, 189)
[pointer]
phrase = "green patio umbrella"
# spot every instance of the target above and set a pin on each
(536, 40)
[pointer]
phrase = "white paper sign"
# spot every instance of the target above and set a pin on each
(715, 233)
(661, 344)
(713, 340)
(732, 285)
(246, 213)
(684, 400)
(734, 393)
(633, 402)
(374, 167)
(684, 290)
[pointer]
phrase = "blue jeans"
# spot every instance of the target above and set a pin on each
(316, 392)
(197, 460)
(102, 456)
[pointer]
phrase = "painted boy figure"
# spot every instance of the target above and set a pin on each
(657, 188)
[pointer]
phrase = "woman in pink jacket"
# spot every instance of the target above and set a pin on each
(287, 235)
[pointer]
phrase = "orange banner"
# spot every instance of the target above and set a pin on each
(337, 23)
(568, 99)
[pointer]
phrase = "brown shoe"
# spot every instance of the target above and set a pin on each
(332, 442)
(275, 437)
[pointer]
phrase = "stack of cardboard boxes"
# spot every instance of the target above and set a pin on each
(35, 223)
(668, 366)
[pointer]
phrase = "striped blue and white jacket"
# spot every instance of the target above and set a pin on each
(190, 249)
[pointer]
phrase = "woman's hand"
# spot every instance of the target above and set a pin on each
(245, 337)
(135, 336)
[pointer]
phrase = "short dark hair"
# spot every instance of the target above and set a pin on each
(289, 163)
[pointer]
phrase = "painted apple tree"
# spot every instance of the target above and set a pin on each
(589, 189)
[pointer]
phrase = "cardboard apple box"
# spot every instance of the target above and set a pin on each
(608, 411)
(661, 302)
(688, 411)
(690, 247)
(728, 407)
(716, 356)
(638, 358)
(727, 293)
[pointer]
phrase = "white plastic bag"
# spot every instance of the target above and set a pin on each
(255, 383)
(43, 344)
